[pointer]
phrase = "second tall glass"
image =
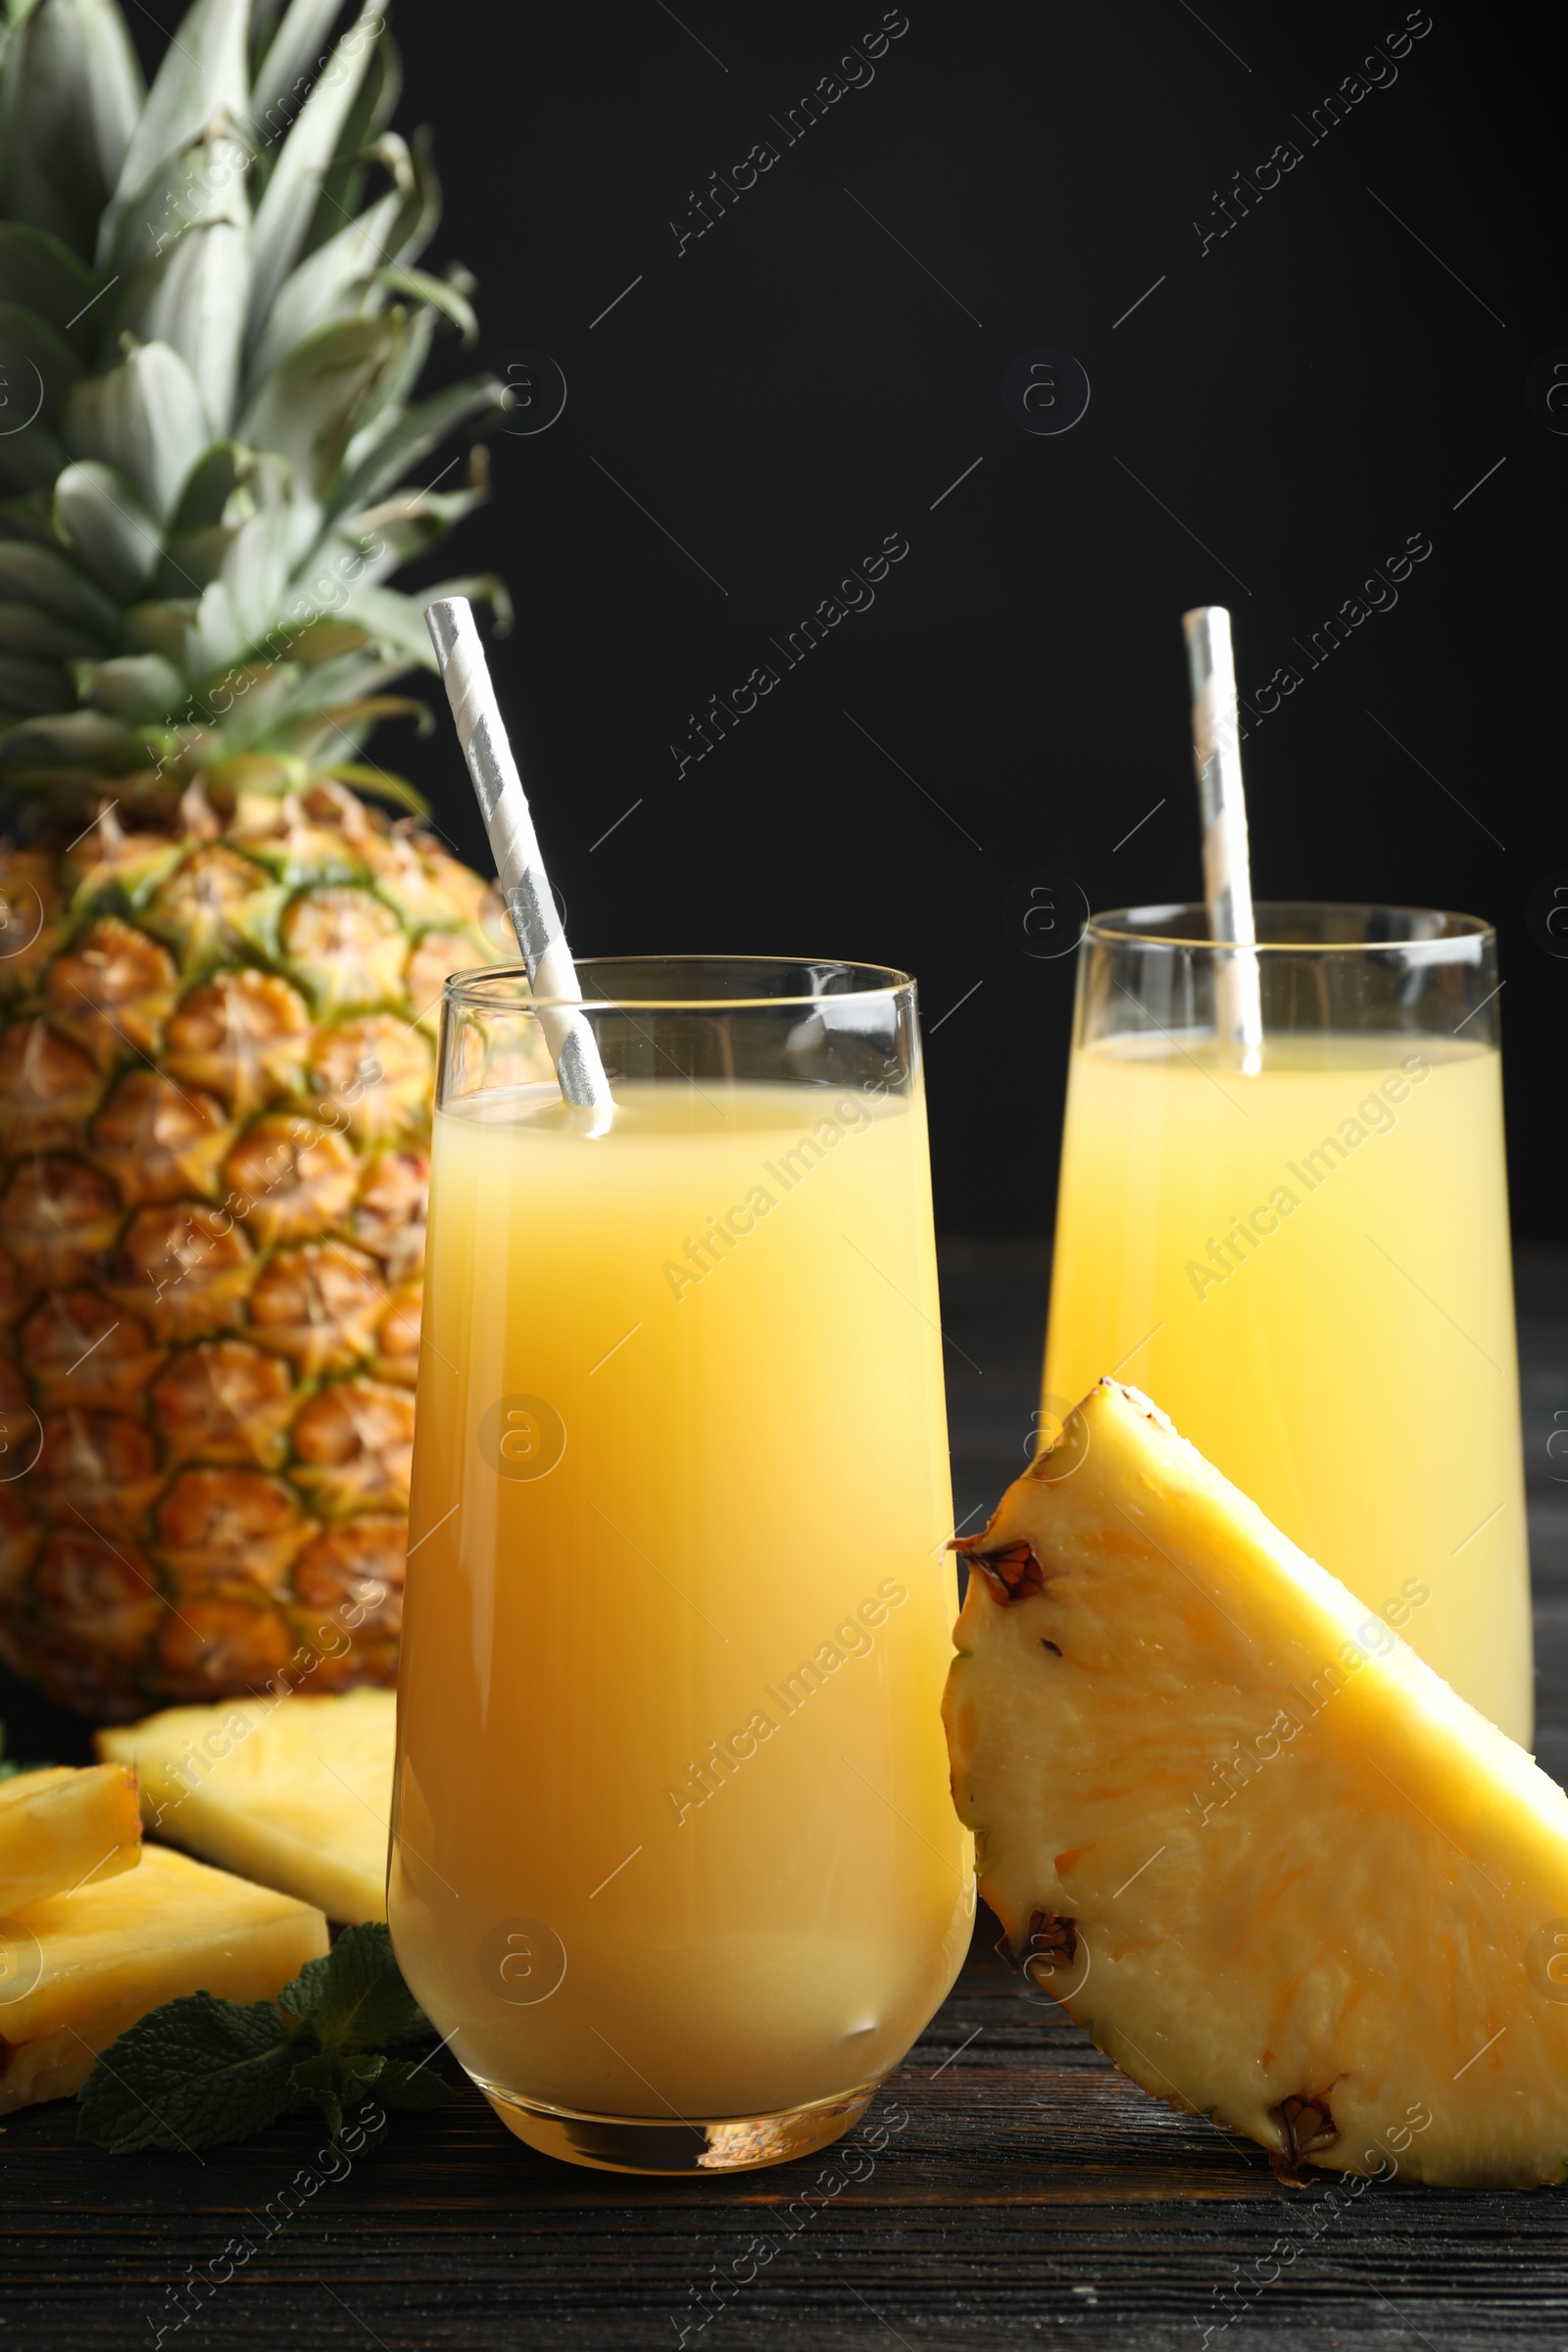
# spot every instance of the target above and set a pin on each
(674, 1857)
(1303, 1253)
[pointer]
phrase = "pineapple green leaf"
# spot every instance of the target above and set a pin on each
(256, 571)
(210, 485)
(30, 685)
(145, 418)
(41, 578)
(23, 629)
(160, 625)
(201, 81)
(29, 461)
(212, 291)
(414, 434)
(328, 284)
(202, 183)
(404, 525)
(68, 109)
(440, 294)
(298, 45)
(99, 517)
(192, 297)
(308, 406)
(380, 784)
(87, 742)
(139, 688)
(343, 188)
(395, 622)
(37, 368)
(38, 273)
(288, 201)
(398, 621)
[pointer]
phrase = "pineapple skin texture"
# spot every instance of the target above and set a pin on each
(296, 1796)
(215, 1075)
(63, 1828)
(1283, 1874)
(100, 1959)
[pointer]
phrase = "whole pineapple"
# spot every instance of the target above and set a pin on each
(219, 967)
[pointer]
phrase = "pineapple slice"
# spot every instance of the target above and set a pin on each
(1281, 1872)
(60, 1829)
(84, 1967)
(293, 1792)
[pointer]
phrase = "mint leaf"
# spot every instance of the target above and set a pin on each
(201, 2071)
(336, 2084)
(355, 1998)
(412, 2082)
(195, 2074)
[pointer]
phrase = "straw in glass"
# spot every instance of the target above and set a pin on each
(1227, 876)
(513, 845)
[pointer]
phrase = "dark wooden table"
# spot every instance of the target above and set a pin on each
(1024, 2191)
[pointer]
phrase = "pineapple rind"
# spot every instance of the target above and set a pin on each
(295, 1794)
(1371, 1912)
(63, 1828)
(105, 1956)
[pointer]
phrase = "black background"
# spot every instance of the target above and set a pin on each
(1303, 396)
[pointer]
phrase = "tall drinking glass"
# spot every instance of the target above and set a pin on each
(1302, 1254)
(674, 1859)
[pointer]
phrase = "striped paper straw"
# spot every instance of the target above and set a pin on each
(514, 847)
(1227, 875)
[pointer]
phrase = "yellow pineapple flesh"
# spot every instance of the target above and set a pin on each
(295, 1794)
(84, 1967)
(61, 1828)
(1280, 1870)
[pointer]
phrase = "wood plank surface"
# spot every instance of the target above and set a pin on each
(1007, 2188)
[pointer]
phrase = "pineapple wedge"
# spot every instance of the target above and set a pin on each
(60, 1829)
(293, 1792)
(1281, 1872)
(86, 1966)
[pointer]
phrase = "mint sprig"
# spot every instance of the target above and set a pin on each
(202, 2072)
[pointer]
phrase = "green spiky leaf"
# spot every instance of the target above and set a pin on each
(146, 419)
(284, 212)
(100, 519)
(69, 105)
(39, 576)
(38, 273)
(308, 408)
(214, 472)
(201, 81)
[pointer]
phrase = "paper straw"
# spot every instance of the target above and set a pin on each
(1227, 875)
(508, 826)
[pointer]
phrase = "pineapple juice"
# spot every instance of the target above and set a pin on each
(1307, 1268)
(673, 1833)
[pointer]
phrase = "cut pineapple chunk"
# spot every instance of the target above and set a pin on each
(60, 1829)
(293, 1792)
(83, 1966)
(1279, 1869)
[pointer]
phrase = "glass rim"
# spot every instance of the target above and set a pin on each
(479, 986)
(1119, 927)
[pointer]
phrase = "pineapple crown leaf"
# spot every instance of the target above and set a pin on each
(223, 268)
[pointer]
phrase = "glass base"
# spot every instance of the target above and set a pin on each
(639, 2143)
